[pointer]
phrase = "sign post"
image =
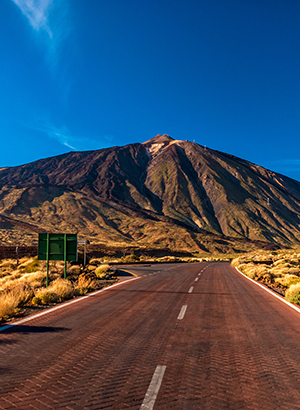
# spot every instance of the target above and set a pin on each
(57, 247)
(84, 242)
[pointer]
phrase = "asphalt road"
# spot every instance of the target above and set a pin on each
(184, 337)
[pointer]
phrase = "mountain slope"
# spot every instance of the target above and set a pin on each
(163, 192)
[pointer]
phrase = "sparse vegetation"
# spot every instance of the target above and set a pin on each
(293, 294)
(279, 270)
(24, 285)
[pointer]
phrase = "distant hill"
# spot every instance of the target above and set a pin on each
(161, 193)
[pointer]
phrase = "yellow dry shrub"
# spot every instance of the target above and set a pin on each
(62, 287)
(14, 295)
(280, 271)
(293, 294)
(236, 262)
(286, 280)
(280, 262)
(8, 304)
(59, 290)
(36, 279)
(102, 270)
(85, 285)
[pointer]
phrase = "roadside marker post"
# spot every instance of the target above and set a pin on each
(57, 247)
(84, 242)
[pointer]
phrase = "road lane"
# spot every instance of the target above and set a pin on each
(101, 350)
(237, 348)
(226, 345)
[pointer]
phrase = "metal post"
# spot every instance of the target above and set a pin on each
(84, 255)
(65, 255)
(47, 259)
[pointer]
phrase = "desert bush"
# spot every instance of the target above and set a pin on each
(75, 270)
(95, 261)
(102, 270)
(293, 294)
(287, 280)
(85, 285)
(45, 296)
(59, 290)
(236, 262)
(32, 267)
(8, 303)
(36, 279)
(62, 287)
(14, 294)
(131, 258)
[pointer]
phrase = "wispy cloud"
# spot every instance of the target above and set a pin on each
(285, 164)
(37, 13)
(74, 142)
(50, 22)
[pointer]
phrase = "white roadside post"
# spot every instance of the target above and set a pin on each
(84, 242)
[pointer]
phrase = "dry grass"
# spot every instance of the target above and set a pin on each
(14, 295)
(102, 271)
(281, 269)
(8, 304)
(59, 290)
(293, 294)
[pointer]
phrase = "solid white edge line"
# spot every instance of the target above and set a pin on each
(270, 291)
(191, 289)
(153, 388)
(27, 319)
(182, 312)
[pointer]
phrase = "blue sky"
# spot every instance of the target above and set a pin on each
(82, 75)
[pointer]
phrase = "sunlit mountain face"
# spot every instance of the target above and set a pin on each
(161, 193)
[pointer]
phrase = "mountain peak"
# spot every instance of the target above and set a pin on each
(159, 139)
(156, 144)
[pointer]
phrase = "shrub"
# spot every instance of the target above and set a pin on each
(35, 279)
(63, 288)
(131, 258)
(293, 294)
(33, 266)
(45, 296)
(101, 271)
(85, 285)
(59, 290)
(8, 303)
(14, 295)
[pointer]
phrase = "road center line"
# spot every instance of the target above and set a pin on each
(153, 388)
(182, 312)
(191, 289)
(196, 279)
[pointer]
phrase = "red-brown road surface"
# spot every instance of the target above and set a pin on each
(234, 347)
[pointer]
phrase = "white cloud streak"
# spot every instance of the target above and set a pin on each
(50, 22)
(76, 143)
(37, 13)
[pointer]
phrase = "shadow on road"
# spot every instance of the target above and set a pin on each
(33, 329)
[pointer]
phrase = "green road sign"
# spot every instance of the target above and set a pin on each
(57, 247)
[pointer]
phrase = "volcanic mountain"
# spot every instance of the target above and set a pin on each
(161, 193)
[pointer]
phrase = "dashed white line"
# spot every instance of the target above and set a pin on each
(196, 279)
(153, 388)
(182, 312)
(191, 289)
